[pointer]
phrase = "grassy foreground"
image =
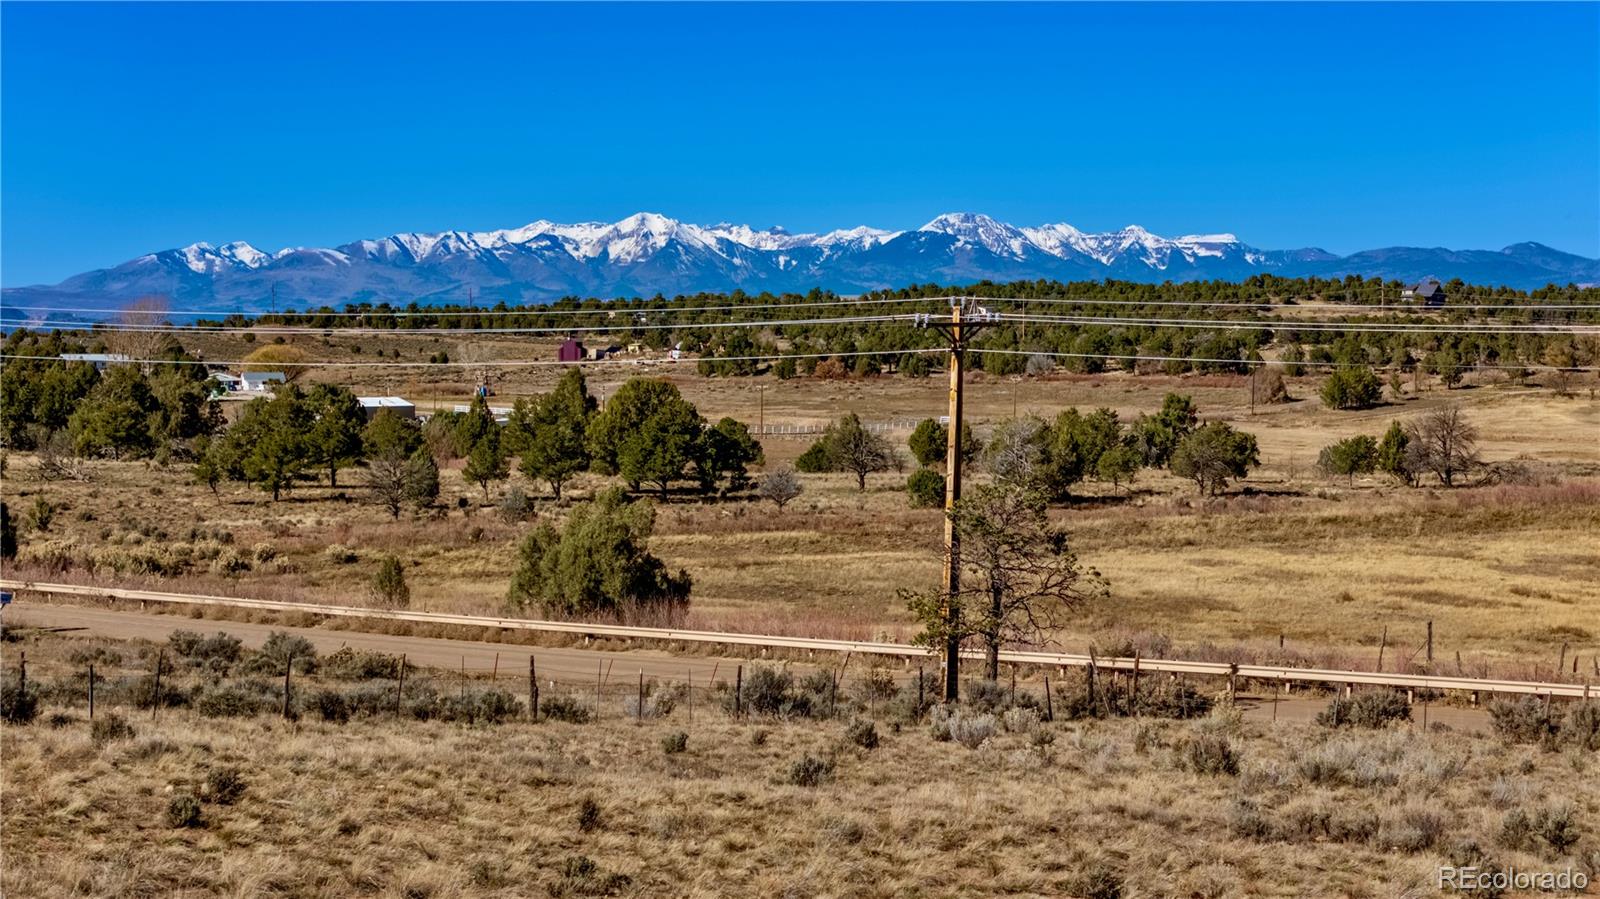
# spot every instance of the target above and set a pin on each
(768, 806)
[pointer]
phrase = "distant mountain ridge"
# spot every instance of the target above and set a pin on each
(648, 253)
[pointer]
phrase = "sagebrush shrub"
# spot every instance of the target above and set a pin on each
(230, 701)
(580, 876)
(1210, 753)
(674, 743)
(970, 729)
(1372, 710)
(1583, 727)
(1412, 830)
(1525, 720)
(183, 811)
(1557, 827)
(862, 733)
(19, 703)
(223, 786)
(331, 706)
(564, 708)
(810, 771)
(108, 728)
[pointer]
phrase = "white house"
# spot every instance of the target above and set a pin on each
(400, 406)
(229, 383)
(260, 381)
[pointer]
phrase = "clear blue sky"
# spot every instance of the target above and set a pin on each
(132, 128)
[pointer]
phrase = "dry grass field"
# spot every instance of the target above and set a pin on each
(1213, 807)
(1508, 574)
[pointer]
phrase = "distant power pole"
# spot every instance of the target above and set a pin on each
(957, 329)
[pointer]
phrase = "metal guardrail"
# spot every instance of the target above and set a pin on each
(862, 647)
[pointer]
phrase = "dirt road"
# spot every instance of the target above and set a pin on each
(561, 664)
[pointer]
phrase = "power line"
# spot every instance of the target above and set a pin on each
(1278, 362)
(379, 332)
(524, 310)
(507, 363)
(1313, 325)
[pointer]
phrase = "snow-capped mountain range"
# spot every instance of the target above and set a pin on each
(647, 253)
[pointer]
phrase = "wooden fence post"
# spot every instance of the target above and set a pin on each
(738, 691)
(91, 692)
(639, 710)
(1382, 645)
(288, 668)
(1133, 692)
(1430, 642)
(920, 694)
(1049, 708)
(533, 689)
(1233, 681)
(400, 684)
(155, 695)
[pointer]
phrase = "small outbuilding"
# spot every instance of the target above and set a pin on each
(571, 350)
(98, 360)
(400, 406)
(1427, 292)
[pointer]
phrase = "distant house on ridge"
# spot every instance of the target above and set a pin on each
(1427, 292)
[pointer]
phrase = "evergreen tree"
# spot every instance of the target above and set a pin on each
(726, 450)
(334, 440)
(391, 433)
(1349, 457)
(1352, 387)
(422, 479)
(114, 419)
(1214, 453)
(622, 416)
(599, 563)
(552, 432)
(1157, 436)
(1119, 465)
(486, 463)
(269, 440)
(663, 445)
(8, 533)
(1393, 457)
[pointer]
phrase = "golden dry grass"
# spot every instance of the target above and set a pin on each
(426, 809)
(1506, 576)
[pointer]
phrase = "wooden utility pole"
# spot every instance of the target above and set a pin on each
(957, 329)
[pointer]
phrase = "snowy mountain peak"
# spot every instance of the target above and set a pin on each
(648, 252)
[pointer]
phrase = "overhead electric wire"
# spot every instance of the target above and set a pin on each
(364, 331)
(525, 310)
(1252, 362)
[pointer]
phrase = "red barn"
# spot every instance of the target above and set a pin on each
(571, 350)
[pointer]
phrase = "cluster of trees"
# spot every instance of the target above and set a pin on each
(124, 412)
(848, 445)
(648, 434)
(1050, 457)
(1442, 443)
(295, 435)
(894, 348)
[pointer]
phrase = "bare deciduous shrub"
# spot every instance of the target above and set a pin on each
(223, 786)
(1020, 720)
(183, 811)
(1373, 710)
(780, 487)
(810, 771)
